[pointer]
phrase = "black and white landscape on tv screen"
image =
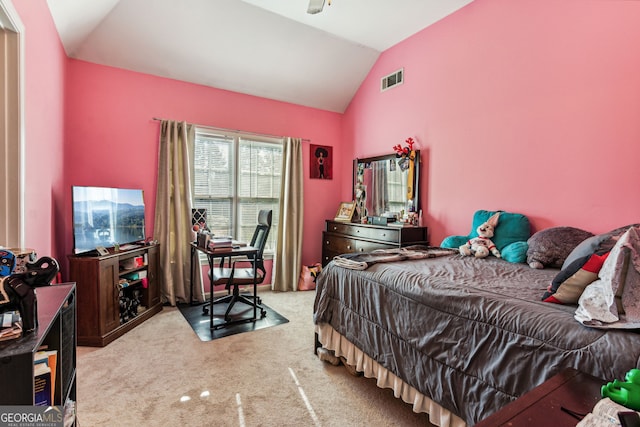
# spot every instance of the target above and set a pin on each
(106, 216)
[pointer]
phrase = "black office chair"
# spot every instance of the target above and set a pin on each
(233, 278)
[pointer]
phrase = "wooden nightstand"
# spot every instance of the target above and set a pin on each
(569, 389)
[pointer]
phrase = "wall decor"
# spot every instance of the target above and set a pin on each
(321, 161)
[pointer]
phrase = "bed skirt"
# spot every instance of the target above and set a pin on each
(332, 340)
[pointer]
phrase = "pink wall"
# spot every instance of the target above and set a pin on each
(44, 68)
(525, 106)
(87, 124)
(111, 139)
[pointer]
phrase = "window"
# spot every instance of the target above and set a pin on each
(235, 176)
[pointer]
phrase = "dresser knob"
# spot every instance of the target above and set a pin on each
(349, 247)
(361, 249)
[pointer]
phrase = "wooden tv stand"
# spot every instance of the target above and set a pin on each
(98, 292)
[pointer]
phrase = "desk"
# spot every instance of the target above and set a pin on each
(224, 253)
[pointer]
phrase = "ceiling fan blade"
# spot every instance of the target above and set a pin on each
(315, 6)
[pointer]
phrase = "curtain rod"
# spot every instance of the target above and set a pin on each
(236, 131)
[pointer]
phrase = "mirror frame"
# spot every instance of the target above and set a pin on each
(416, 175)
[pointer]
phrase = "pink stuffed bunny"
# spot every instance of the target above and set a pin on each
(481, 246)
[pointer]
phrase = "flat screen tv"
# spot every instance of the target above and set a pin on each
(106, 217)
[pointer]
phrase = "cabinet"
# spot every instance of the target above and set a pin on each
(56, 330)
(116, 292)
(345, 237)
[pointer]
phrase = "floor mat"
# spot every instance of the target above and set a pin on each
(200, 322)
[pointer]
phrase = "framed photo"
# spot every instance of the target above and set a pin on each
(345, 211)
(321, 161)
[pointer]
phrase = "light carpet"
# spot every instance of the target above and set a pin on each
(161, 374)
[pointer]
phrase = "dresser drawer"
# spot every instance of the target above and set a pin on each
(337, 244)
(364, 246)
(365, 232)
(342, 228)
(327, 256)
(383, 234)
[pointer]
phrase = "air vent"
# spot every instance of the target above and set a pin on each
(394, 79)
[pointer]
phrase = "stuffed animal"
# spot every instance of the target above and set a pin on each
(481, 246)
(626, 393)
(17, 290)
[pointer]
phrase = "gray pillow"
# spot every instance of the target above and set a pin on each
(551, 246)
(587, 247)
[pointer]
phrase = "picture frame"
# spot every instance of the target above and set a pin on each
(345, 211)
(320, 161)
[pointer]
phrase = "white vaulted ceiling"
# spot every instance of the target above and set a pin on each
(267, 48)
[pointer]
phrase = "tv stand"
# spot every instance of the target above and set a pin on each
(105, 285)
(129, 247)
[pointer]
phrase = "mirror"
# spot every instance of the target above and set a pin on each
(386, 185)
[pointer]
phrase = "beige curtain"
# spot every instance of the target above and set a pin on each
(172, 226)
(288, 257)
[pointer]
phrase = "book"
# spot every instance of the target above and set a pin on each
(400, 224)
(220, 242)
(50, 357)
(603, 414)
(42, 385)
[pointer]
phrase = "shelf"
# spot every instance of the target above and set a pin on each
(57, 330)
(100, 312)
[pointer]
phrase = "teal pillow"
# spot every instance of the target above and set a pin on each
(454, 241)
(515, 252)
(510, 235)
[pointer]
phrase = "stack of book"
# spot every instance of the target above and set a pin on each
(220, 242)
(44, 372)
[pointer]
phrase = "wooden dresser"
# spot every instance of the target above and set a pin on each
(346, 237)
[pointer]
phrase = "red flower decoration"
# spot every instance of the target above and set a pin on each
(404, 151)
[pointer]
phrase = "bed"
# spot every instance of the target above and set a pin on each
(459, 337)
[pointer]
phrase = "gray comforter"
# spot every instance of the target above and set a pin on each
(471, 334)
